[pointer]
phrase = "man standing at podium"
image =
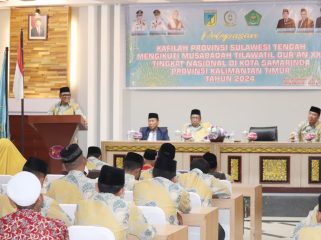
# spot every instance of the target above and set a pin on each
(64, 106)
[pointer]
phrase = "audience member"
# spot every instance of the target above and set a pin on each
(75, 185)
(24, 190)
(133, 164)
(94, 161)
(171, 197)
(108, 209)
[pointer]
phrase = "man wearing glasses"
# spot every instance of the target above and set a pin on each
(64, 106)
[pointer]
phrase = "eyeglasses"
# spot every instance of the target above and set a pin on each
(66, 95)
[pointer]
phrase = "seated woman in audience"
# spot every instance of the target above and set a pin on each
(162, 190)
(313, 218)
(50, 207)
(11, 160)
(211, 159)
(75, 186)
(108, 209)
(133, 164)
(205, 185)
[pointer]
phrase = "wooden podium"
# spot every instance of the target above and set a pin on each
(44, 133)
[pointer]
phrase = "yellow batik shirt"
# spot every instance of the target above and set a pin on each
(310, 220)
(113, 212)
(94, 163)
(72, 188)
(146, 174)
(198, 133)
(163, 193)
(309, 233)
(192, 182)
(129, 182)
(68, 109)
(305, 128)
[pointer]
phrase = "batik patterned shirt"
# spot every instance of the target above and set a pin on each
(310, 220)
(305, 128)
(94, 163)
(123, 217)
(129, 182)
(30, 225)
(72, 187)
(163, 193)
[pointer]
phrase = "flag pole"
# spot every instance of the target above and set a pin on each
(6, 90)
(22, 103)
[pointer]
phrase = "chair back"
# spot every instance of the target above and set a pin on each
(265, 133)
(153, 215)
(195, 200)
(128, 196)
(70, 210)
(90, 232)
(4, 179)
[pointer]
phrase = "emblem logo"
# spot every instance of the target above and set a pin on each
(54, 151)
(210, 18)
(230, 18)
(253, 18)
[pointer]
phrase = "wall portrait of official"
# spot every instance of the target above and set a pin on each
(38, 27)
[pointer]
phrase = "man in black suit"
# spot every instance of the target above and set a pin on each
(153, 132)
(38, 30)
(318, 22)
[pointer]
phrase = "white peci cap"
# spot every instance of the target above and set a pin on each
(24, 189)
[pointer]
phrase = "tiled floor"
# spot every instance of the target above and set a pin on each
(274, 228)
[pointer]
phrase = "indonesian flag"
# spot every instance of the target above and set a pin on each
(18, 76)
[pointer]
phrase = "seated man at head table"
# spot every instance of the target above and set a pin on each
(309, 130)
(313, 218)
(133, 164)
(153, 132)
(94, 161)
(196, 130)
(162, 190)
(50, 207)
(75, 186)
(27, 223)
(107, 208)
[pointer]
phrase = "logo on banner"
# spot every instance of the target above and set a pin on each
(210, 18)
(253, 18)
(230, 18)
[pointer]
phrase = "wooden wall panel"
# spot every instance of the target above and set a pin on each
(46, 62)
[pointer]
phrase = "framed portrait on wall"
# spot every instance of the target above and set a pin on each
(38, 27)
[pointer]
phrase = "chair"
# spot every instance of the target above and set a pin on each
(195, 200)
(194, 233)
(153, 215)
(90, 232)
(128, 196)
(70, 210)
(266, 133)
(4, 179)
